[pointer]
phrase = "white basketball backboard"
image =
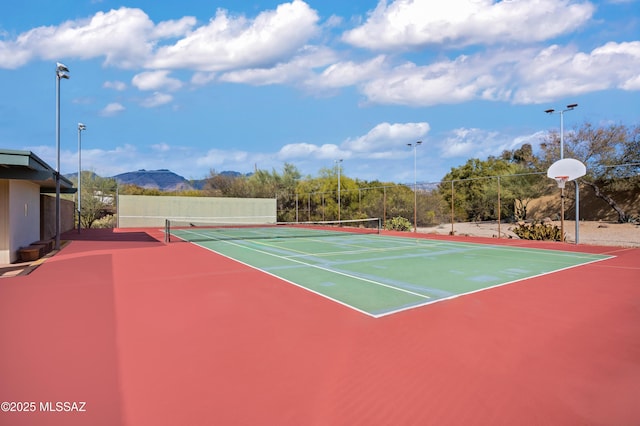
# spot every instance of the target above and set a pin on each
(569, 167)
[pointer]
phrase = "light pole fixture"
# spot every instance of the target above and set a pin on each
(339, 163)
(81, 127)
(61, 72)
(415, 185)
(570, 107)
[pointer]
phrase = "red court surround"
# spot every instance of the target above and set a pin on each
(147, 333)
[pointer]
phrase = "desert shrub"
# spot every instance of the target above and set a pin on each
(538, 231)
(398, 224)
(430, 218)
(108, 221)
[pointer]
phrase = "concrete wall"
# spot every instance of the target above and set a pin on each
(150, 211)
(5, 256)
(20, 217)
(48, 216)
(24, 215)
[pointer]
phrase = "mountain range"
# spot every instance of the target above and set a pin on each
(163, 179)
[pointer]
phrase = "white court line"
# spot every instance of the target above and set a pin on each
(313, 266)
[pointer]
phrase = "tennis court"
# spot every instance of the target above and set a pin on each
(375, 274)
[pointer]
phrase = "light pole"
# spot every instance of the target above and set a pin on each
(415, 185)
(81, 127)
(339, 163)
(61, 72)
(570, 107)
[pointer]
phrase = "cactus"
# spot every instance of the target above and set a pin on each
(398, 223)
(538, 231)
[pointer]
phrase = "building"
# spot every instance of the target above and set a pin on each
(27, 213)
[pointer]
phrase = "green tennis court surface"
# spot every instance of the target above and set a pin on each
(381, 275)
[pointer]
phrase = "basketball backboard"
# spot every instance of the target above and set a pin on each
(569, 167)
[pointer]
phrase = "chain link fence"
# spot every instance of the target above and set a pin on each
(499, 201)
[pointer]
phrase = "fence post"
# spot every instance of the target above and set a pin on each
(384, 206)
(499, 207)
(452, 195)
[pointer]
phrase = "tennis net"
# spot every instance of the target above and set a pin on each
(186, 230)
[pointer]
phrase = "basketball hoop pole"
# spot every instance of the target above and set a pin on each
(577, 210)
(562, 214)
(562, 180)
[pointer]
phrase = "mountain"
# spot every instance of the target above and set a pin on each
(163, 179)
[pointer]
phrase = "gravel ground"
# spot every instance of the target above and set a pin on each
(592, 233)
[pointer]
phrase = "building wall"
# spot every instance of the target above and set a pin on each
(24, 215)
(145, 210)
(5, 256)
(27, 216)
(48, 216)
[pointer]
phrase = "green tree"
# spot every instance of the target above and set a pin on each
(527, 181)
(97, 198)
(480, 187)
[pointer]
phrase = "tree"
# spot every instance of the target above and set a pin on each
(475, 189)
(611, 154)
(527, 181)
(219, 185)
(98, 198)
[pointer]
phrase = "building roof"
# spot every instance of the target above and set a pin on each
(25, 165)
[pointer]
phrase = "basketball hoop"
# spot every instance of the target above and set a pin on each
(561, 180)
(563, 171)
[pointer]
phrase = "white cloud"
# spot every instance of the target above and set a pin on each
(468, 143)
(228, 42)
(483, 76)
(112, 109)
(161, 147)
(173, 28)
(387, 137)
(120, 159)
(412, 23)
(217, 157)
(519, 76)
(557, 72)
(349, 73)
(125, 37)
(13, 55)
(156, 99)
(295, 70)
(383, 141)
(155, 80)
(128, 38)
(305, 150)
(533, 139)
(202, 78)
(273, 48)
(115, 85)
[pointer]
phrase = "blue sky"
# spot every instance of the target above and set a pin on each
(198, 85)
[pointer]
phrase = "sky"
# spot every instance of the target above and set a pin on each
(196, 86)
